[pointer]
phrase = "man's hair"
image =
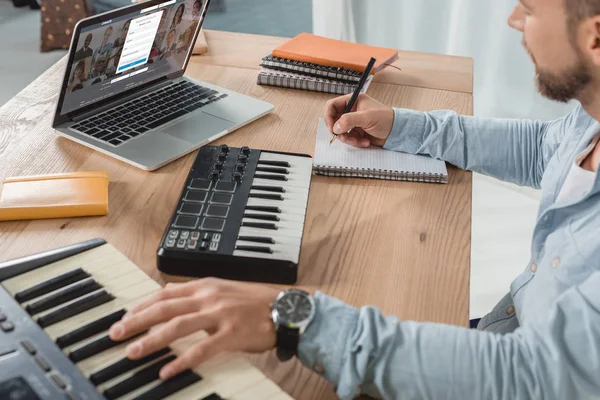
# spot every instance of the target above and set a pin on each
(577, 10)
(580, 9)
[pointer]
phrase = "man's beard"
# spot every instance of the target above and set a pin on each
(564, 86)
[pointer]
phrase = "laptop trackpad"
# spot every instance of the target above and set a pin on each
(198, 127)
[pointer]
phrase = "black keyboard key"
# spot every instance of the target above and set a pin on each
(266, 196)
(275, 163)
(257, 239)
(166, 119)
(259, 225)
(255, 249)
(63, 296)
(102, 134)
(275, 210)
(92, 131)
(273, 170)
(51, 285)
(142, 130)
(89, 330)
(124, 138)
(276, 189)
(264, 217)
(66, 312)
(96, 347)
(112, 136)
(271, 177)
(173, 385)
(213, 396)
(137, 380)
(123, 366)
(115, 142)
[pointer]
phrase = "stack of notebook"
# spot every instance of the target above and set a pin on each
(310, 62)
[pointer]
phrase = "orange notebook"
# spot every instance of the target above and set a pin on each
(314, 49)
(54, 196)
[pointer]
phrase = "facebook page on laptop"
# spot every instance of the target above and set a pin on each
(130, 51)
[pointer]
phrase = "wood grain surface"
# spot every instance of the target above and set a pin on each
(401, 246)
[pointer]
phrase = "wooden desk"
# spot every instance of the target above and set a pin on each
(403, 247)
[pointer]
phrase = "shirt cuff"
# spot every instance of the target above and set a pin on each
(322, 347)
(407, 131)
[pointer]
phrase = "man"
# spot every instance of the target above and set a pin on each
(542, 341)
(85, 51)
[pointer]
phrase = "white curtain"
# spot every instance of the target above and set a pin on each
(504, 85)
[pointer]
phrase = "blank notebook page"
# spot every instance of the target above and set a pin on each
(339, 159)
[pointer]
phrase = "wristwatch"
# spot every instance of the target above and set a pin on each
(292, 312)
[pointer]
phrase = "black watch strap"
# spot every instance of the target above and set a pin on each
(287, 342)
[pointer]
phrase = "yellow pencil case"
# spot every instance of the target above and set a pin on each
(78, 194)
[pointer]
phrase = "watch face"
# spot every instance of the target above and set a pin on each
(294, 308)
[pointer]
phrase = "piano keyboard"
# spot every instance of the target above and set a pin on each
(240, 216)
(54, 321)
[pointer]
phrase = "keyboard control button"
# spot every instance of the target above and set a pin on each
(8, 326)
(29, 347)
(214, 246)
(225, 186)
(191, 209)
(213, 224)
(184, 235)
(195, 235)
(203, 245)
(192, 244)
(60, 382)
(43, 364)
(195, 196)
(224, 148)
(183, 221)
(181, 243)
(217, 237)
(170, 242)
(173, 234)
(206, 237)
(221, 198)
(217, 211)
(245, 150)
(200, 184)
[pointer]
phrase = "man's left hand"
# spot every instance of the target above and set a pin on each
(236, 316)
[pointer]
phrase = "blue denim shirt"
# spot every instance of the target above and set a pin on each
(542, 341)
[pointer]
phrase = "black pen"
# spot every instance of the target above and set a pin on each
(359, 88)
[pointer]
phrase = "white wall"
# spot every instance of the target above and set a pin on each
(504, 85)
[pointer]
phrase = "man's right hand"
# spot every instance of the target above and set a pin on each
(369, 123)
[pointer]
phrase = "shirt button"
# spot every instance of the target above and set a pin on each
(510, 310)
(319, 368)
(533, 267)
(556, 263)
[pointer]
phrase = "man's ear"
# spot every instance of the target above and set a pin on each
(592, 39)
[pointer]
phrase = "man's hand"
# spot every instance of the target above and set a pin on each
(236, 315)
(369, 123)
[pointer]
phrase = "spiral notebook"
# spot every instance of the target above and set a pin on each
(306, 68)
(304, 82)
(339, 159)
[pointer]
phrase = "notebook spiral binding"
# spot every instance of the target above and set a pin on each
(284, 64)
(287, 80)
(379, 174)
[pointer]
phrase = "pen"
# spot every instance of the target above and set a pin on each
(359, 88)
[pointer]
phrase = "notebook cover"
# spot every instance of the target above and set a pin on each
(314, 49)
(54, 196)
(316, 70)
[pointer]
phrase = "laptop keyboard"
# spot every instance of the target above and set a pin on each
(136, 117)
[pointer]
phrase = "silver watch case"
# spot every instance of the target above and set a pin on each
(278, 320)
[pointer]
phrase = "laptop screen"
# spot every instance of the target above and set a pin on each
(131, 50)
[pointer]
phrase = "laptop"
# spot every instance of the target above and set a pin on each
(124, 93)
